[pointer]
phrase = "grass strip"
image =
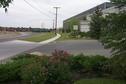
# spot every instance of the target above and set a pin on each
(40, 37)
(66, 36)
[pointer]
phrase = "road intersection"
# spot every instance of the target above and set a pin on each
(88, 47)
(14, 47)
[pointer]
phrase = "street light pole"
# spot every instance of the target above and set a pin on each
(53, 27)
(56, 18)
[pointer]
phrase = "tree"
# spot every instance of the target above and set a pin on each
(73, 22)
(5, 4)
(115, 33)
(96, 24)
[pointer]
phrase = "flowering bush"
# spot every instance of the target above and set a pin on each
(48, 70)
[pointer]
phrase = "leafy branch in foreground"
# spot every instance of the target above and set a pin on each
(114, 35)
(5, 4)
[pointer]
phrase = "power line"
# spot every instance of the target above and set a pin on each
(48, 11)
(36, 8)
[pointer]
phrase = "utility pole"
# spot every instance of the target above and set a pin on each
(42, 25)
(56, 18)
(53, 27)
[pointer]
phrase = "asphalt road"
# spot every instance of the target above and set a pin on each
(14, 47)
(10, 46)
(87, 47)
(21, 36)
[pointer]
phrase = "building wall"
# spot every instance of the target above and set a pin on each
(85, 27)
(106, 8)
(110, 10)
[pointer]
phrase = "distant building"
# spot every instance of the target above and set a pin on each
(84, 18)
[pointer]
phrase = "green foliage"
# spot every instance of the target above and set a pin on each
(61, 68)
(11, 70)
(86, 64)
(35, 72)
(83, 34)
(100, 81)
(107, 68)
(96, 24)
(119, 67)
(114, 33)
(5, 4)
(78, 34)
(76, 62)
(64, 36)
(74, 34)
(23, 56)
(40, 37)
(58, 69)
(71, 23)
(95, 64)
(48, 70)
(59, 73)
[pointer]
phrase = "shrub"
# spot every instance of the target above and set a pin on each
(59, 73)
(35, 73)
(47, 70)
(8, 72)
(86, 64)
(11, 70)
(61, 68)
(73, 34)
(113, 34)
(119, 67)
(76, 62)
(60, 53)
(95, 64)
(23, 56)
(82, 34)
(107, 68)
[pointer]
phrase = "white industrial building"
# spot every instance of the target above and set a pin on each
(84, 18)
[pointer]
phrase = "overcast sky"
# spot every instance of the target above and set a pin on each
(42, 15)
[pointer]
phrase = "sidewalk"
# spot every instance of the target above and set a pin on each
(42, 42)
(50, 40)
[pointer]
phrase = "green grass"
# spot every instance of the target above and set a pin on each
(66, 36)
(40, 37)
(100, 81)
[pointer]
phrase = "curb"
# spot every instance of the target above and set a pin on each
(42, 42)
(50, 40)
